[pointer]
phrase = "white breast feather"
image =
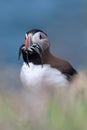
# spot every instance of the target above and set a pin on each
(37, 76)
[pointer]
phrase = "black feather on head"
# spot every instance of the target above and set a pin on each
(33, 31)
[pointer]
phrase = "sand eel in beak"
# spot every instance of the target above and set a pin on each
(36, 53)
(30, 49)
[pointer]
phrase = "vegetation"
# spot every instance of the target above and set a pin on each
(54, 109)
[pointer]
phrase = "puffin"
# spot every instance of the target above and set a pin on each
(40, 67)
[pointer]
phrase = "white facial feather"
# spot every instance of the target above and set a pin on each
(42, 41)
(36, 37)
(37, 76)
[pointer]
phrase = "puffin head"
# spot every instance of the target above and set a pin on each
(35, 45)
(36, 37)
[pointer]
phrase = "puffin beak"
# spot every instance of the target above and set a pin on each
(27, 44)
(37, 48)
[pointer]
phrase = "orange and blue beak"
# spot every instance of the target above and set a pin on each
(29, 48)
(27, 43)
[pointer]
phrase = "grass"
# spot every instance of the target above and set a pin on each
(9, 116)
(54, 109)
(73, 118)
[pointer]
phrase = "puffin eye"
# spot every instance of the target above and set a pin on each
(41, 36)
